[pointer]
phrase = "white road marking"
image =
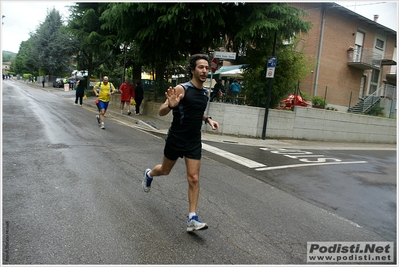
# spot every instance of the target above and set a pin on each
(240, 160)
(262, 167)
(306, 165)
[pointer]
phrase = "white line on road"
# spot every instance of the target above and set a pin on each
(306, 165)
(240, 160)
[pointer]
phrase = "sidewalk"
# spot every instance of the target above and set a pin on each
(154, 124)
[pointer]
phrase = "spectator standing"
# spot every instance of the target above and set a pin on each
(106, 89)
(235, 89)
(138, 96)
(80, 88)
(218, 91)
(188, 102)
(127, 93)
(43, 80)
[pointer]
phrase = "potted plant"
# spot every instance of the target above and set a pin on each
(318, 102)
(350, 52)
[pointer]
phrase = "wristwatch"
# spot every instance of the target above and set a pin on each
(207, 119)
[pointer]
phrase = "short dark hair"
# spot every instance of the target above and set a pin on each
(193, 62)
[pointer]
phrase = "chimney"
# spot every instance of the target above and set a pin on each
(376, 18)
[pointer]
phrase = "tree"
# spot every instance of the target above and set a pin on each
(164, 33)
(291, 68)
(8, 56)
(24, 63)
(48, 50)
(96, 45)
(252, 34)
(54, 45)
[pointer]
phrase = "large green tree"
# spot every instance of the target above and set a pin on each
(253, 39)
(54, 45)
(291, 68)
(97, 46)
(48, 50)
(24, 61)
(164, 34)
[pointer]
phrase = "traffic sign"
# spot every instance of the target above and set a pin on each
(214, 65)
(224, 55)
(270, 72)
(272, 62)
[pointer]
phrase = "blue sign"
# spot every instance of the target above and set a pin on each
(271, 62)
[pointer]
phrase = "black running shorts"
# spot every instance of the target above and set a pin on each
(188, 150)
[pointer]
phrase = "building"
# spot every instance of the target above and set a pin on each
(354, 58)
(6, 67)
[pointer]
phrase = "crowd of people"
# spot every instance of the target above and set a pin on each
(7, 76)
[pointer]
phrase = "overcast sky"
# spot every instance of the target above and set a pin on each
(23, 17)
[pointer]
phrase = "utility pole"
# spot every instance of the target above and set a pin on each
(124, 63)
(269, 74)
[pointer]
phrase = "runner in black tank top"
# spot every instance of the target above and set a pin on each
(188, 102)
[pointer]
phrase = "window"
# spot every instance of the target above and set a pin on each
(379, 44)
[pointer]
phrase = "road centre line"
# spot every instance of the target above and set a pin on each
(238, 159)
(308, 164)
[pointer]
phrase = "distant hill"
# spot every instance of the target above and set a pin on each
(8, 56)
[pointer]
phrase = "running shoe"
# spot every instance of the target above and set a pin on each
(146, 181)
(102, 126)
(194, 224)
(98, 118)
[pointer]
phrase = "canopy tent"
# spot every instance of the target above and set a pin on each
(237, 73)
(234, 71)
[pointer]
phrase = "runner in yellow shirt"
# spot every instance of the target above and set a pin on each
(106, 89)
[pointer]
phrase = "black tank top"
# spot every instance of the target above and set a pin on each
(188, 115)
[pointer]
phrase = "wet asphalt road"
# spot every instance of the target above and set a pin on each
(72, 195)
(359, 185)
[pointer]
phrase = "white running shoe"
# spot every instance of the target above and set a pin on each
(194, 224)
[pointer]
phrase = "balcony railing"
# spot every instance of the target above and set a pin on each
(364, 58)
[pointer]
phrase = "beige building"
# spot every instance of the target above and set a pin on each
(354, 57)
(6, 67)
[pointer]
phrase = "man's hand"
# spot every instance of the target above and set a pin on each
(173, 98)
(213, 124)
